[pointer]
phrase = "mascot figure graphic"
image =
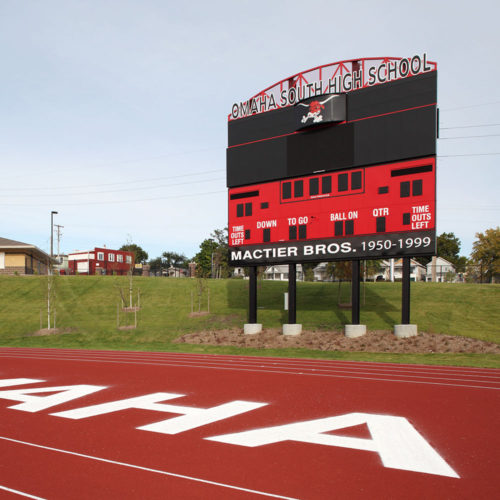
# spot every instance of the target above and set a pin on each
(315, 108)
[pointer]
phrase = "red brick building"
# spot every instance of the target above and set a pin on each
(101, 261)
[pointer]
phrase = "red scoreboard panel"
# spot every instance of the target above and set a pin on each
(370, 212)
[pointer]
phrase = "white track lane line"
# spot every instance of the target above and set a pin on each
(357, 365)
(323, 363)
(20, 493)
(273, 366)
(387, 372)
(146, 469)
(245, 362)
(62, 353)
(279, 372)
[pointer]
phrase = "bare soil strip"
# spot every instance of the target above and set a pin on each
(373, 341)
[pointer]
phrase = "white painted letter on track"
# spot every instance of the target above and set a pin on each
(63, 394)
(396, 441)
(8, 382)
(191, 417)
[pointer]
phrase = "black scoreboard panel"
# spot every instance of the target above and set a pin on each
(388, 122)
(397, 136)
(261, 126)
(406, 93)
(329, 148)
(257, 162)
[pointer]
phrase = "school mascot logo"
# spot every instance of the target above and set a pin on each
(315, 108)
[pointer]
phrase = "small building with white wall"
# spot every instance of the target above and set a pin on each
(444, 270)
(21, 258)
(280, 273)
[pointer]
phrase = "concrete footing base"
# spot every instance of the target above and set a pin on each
(252, 328)
(292, 329)
(405, 331)
(353, 331)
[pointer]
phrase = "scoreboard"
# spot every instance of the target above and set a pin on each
(343, 175)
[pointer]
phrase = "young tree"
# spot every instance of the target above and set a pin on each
(212, 259)
(221, 264)
(486, 253)
(204, 258)
(342, 271)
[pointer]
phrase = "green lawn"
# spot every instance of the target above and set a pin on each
(88, 304)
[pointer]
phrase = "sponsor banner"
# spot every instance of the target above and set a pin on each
(379, 246)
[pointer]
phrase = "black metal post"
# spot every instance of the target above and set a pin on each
(405, 309)
(356, 264)
(292, 294)
(252, 296)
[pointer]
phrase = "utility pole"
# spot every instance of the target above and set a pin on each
(51, 240)
(49, 270)
(59, 227)
(52, 232)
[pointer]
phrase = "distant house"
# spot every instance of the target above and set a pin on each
(17, 257)
(417, 271)
(177, 272)
(383, 273)
(380, 273)
(101, 261)
(280, 272)
(62, 266)
(239, 272)
(320, 272)
(444, 270)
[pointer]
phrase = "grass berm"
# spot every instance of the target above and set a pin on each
(86, 309)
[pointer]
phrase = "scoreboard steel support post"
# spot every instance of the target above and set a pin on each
(405, 308)
(292, 293)
(356, 264)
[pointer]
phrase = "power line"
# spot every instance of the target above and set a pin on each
(151, 179)
(120, 162)
(173, 185)
(472, 126)
(115, 201)
(468, 137)
(448, 207)
(471, 106)
(122, 190)
(468, 154)
(194, 174)
(451, 207)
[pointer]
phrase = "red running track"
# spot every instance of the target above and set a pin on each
(455, 410)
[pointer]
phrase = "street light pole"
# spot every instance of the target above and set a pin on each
(52, 233)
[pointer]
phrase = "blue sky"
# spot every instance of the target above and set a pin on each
(114, 112)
